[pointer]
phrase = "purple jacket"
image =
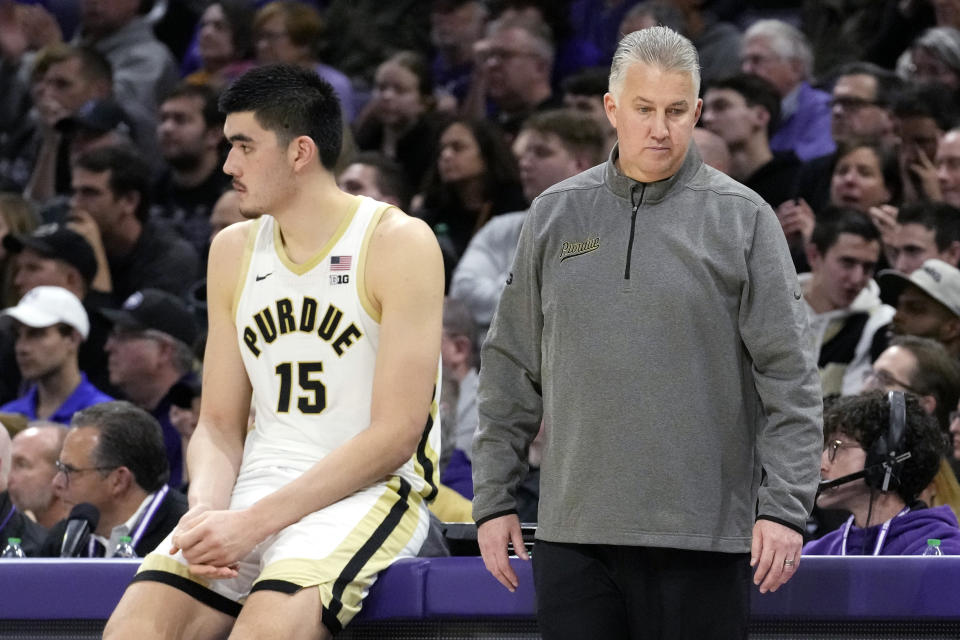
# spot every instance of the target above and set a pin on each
(807, 131)
(907, 536)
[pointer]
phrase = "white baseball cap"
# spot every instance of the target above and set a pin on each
(46, 306)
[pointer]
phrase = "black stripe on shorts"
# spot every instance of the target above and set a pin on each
(192, 589)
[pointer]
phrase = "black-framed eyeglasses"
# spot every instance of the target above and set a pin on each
(885, 380)
(68, 470)
(851, 103)
(831, 447)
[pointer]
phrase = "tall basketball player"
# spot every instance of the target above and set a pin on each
(326, 307)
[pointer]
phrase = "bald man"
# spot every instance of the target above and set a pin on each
(13, 523)
(35, 453)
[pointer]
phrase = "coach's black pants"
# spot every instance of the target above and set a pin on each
(641, 593)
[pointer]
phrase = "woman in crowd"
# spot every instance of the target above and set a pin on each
(865, 176)
(399, 122)
(224, 42)
(289, 31)
(475, 178)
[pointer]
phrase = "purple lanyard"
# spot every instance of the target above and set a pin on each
(141, 525)
(13, 510)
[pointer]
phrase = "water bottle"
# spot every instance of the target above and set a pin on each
(13, 549)
(125, 549)
(933, 548)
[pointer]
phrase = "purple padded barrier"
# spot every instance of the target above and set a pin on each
(54, 589)
(825, 588)
(865, 588)
(398, 592)
(449, 579)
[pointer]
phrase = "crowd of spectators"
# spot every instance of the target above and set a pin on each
(844, 117)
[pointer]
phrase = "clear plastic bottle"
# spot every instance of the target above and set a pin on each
(125, 549)
(933, 548)
(13, 549)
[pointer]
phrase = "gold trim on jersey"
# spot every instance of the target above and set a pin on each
(345, 575)
(365, 300)
(426, 461)
(157, 561)
(319, 256)
(248, 247)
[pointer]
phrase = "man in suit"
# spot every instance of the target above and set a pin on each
(114, 459)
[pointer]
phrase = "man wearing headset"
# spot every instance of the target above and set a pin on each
(886, 517)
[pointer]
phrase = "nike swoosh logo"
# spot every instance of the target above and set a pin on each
(264, 277)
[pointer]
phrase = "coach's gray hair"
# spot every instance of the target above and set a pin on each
(660, 47)
(788, 41)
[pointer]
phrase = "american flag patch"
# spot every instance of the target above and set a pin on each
(340, 263)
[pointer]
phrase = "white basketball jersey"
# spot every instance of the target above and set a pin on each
(308, 336)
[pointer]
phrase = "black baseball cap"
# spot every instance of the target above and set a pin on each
(58, 242)
(98, 116)
(157, 310)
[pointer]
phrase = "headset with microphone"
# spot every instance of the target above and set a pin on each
(885, 459)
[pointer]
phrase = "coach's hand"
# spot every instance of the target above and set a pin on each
(493, 536)
(775, 553)
(213, 542)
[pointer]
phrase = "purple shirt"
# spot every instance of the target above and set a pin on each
(85, 395)
(907, 536)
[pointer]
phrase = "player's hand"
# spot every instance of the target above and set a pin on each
(775, 554)
(493, 536)
(213, 542)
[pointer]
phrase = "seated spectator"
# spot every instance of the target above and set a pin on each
(847, 319)
(110, 208)
(13, 522)
(927, 302)
(474, 179)
(289, 31)
(224, 43)
(456, 25)
(184, 414)
(552, 146)
(374, 175)
(51, 325)
(399, 121)
(143, 67)
(744, 110)
(865, 177)
(190, 135)
(922, 116)
(112, 458)
(713, 150)
(781, 54)
(36, 450)
(924, 230)
(512, 73)
(225, 212)
(883, 522)
(53, 255)
(584, 92)
(458, 350)
(948, 167)
(16, 217)
(935, 59)
(922, 366)
(151, 349)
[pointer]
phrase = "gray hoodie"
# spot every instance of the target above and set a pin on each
(658, 329)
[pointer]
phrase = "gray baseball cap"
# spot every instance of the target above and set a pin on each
(936, 278)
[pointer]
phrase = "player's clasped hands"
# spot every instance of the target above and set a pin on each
(213, 541)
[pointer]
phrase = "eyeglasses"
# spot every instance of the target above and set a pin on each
(505, 54)
(851, 103)
(67, 470)
(885, 380)
(832, 446)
